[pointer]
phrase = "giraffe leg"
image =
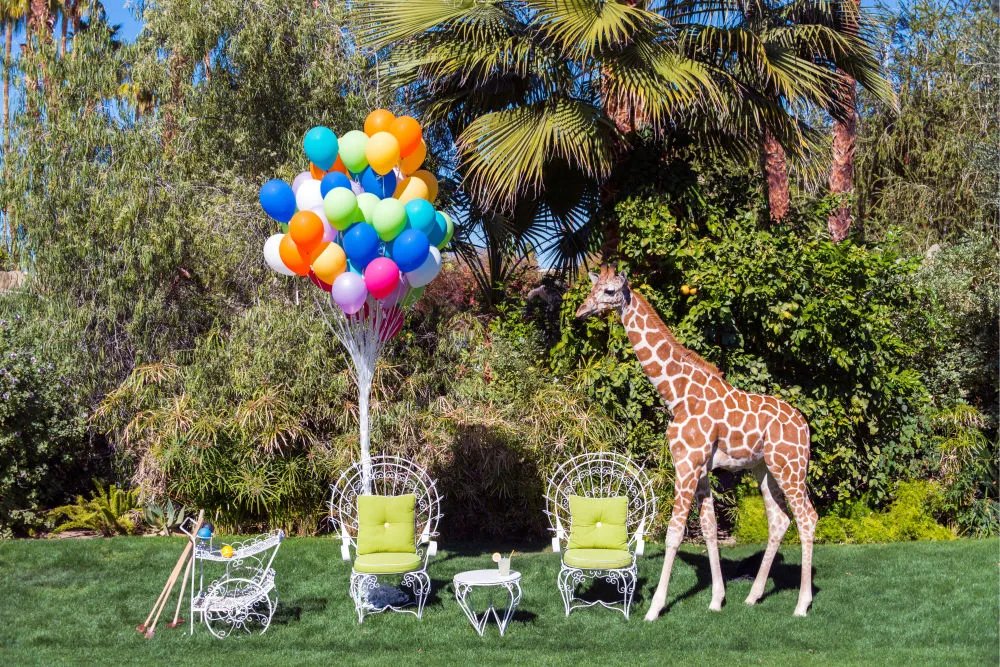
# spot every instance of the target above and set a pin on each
(805, 521)
(709, 529)
(777, 524)
(684, 487)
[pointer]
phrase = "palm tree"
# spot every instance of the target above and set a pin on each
(551, 103)
(784, 58)
(544, 100)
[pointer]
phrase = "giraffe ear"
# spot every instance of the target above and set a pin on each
(593, 278)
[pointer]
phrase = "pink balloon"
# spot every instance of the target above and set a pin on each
(381, 277)
(392, 323)
(397, 294)
(349, 292)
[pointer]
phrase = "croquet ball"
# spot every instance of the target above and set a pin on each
(226, 551)
(205, 532)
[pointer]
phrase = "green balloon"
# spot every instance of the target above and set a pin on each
(340, 206)
(367, 203)
(412, 296)
(352, 151)
(450, 231)
(389, 218)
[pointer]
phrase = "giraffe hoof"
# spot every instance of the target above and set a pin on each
(715, 606)
(801, 613)
(650, 616)
(751, 600)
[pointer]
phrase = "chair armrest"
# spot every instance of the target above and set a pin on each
(557, 540)
(640, 542)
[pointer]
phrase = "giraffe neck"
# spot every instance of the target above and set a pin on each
(670, 366)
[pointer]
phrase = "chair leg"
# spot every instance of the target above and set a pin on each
(566, 585)
(629, 577)
(360, 585)
(420, 583)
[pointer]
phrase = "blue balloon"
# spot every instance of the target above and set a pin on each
(439, 231)
(354, 269)
(334, 179)
(409, 249)
(278, 200)
(380, 186)
(320, 145)
(420, 215)
(361, 244)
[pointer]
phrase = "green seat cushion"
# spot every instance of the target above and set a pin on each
(598, 523)
(387, 563)
(385, 524)
(597, 559)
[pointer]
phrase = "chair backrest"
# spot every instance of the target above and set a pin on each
(390, 476)
(600, 475)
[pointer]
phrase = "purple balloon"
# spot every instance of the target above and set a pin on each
(349, 292)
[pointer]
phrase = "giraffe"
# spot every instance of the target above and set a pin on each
(715, 425)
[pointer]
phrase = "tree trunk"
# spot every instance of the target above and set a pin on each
(38, 21)
(62, 36)
(845, 133)
(8, 42)
(208, 66)
(776, 177)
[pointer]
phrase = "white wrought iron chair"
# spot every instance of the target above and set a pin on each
(602, 475)
(245, 598)
(390, 476)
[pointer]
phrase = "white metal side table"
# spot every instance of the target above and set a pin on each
(465, 582)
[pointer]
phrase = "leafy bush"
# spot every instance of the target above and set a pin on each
(43, 445)
(110, 511)
(782, 311)
(909, 517)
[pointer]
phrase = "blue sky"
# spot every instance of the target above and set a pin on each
(118, 13)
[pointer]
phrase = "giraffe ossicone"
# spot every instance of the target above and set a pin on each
(715, 425)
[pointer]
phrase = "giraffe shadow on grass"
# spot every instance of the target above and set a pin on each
(783, 576)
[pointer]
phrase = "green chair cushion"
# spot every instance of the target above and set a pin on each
(387, 563)
(598, 523)
(597, 559)
(385, 524)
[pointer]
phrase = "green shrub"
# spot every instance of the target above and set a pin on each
(909, 517)
(44, 450)
(110, 511)
(782, 311)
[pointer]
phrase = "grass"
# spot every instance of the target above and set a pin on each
(78, 601)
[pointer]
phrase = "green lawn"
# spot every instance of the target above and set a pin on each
(78, 601)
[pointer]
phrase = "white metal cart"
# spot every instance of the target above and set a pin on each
(245, 597)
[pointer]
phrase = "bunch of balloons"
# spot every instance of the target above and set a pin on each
(361, 221)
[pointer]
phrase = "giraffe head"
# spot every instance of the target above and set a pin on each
(610, 291)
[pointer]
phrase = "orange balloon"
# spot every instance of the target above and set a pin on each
(412, 162)
(339, 166)
(430, 181)
(408, 134)
(316, 172)
(378, 121)
(306, 229)
(290, 257)
(317, 251)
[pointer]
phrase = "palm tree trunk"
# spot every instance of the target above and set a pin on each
(845, 134)
(62, 36)
(776, 177)
(8, 41)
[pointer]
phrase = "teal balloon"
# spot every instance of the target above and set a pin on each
(389, 219)
(320, 145)
(440, 229)
(420, 215)
(340, 206)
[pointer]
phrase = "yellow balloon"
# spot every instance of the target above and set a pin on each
(411, 188)
(413, 161)
(226, 551)
(382, 152)
(330, 263)
(431, 183)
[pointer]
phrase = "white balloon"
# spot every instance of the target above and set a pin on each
(300, 179)
(272, 255)
(309, 196)
(427, 271)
